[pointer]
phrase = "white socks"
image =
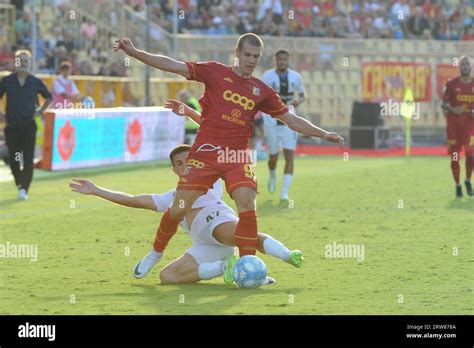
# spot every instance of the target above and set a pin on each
(275, 248)
(273, 174)
(210, 270)
(287, 178)
(156, 254)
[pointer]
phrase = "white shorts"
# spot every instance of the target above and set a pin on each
(205, 247)
(280, 136)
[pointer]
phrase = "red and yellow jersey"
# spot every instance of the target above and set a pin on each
(229, 105)
(458, 93)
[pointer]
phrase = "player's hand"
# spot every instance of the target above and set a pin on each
(125, 45)
(458, 110)
(295, 103)
(85, 187)
(335, 138)
(179, 108)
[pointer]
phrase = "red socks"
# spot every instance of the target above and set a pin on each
(165, 232)
(246, 233)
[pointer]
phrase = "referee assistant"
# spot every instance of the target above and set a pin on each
(22, 91)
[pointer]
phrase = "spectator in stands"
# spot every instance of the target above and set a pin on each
(381, 26)
(6, 57)
(217, 27)
(23, 27)
(469, 35)
(418, 25)
(65, 91)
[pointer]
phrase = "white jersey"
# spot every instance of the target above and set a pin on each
(285, 85)
(165, 200)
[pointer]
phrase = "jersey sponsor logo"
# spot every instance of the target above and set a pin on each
(233, 120)
(195, 163)
(236, 98)
(236, 113)
(256, 91)
(465, 98)
(228, 79)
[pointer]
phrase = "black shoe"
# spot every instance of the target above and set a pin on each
(468, 187)
(459, 191)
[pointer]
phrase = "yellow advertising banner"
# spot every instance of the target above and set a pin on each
(383, 81)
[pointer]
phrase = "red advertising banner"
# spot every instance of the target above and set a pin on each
(383, 81)
(444, 73)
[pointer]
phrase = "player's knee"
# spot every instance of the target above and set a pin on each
(246, 205)
(168, 276)
(177, 212)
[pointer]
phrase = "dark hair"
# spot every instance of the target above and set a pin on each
(177, 150)
(282, 51)
(251, 38)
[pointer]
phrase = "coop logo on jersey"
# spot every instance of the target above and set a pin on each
(66, 141)
(465, 98)
(134, 136)
(236, 98)
(195, 163)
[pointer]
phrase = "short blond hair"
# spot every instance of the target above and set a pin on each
(23, 51)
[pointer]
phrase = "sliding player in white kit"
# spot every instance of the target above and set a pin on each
(210, 223)
(285, 82)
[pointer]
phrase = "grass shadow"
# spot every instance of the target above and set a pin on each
(165, 299)
(467, 203)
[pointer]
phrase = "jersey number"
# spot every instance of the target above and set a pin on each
(248, 171)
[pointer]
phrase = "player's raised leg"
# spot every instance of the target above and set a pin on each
(182, 203)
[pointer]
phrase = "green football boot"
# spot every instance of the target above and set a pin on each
(296, 258)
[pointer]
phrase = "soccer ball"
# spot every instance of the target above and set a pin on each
(250, 272)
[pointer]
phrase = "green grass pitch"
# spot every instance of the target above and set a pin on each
(418, 243)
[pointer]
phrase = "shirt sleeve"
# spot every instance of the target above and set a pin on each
(272, 104)
(58, 88)
(448, 92)
(299, 84)
(202, 71)
(75, 91)
(43, 90)
(163, 201)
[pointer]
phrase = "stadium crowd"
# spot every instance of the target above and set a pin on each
(89, 51)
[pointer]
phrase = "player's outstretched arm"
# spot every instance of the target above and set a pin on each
(182, 109)
(155, 60)
(300, 125)
(87, 187)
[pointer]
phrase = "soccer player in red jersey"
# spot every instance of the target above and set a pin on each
(458, 102)
(231, 99)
